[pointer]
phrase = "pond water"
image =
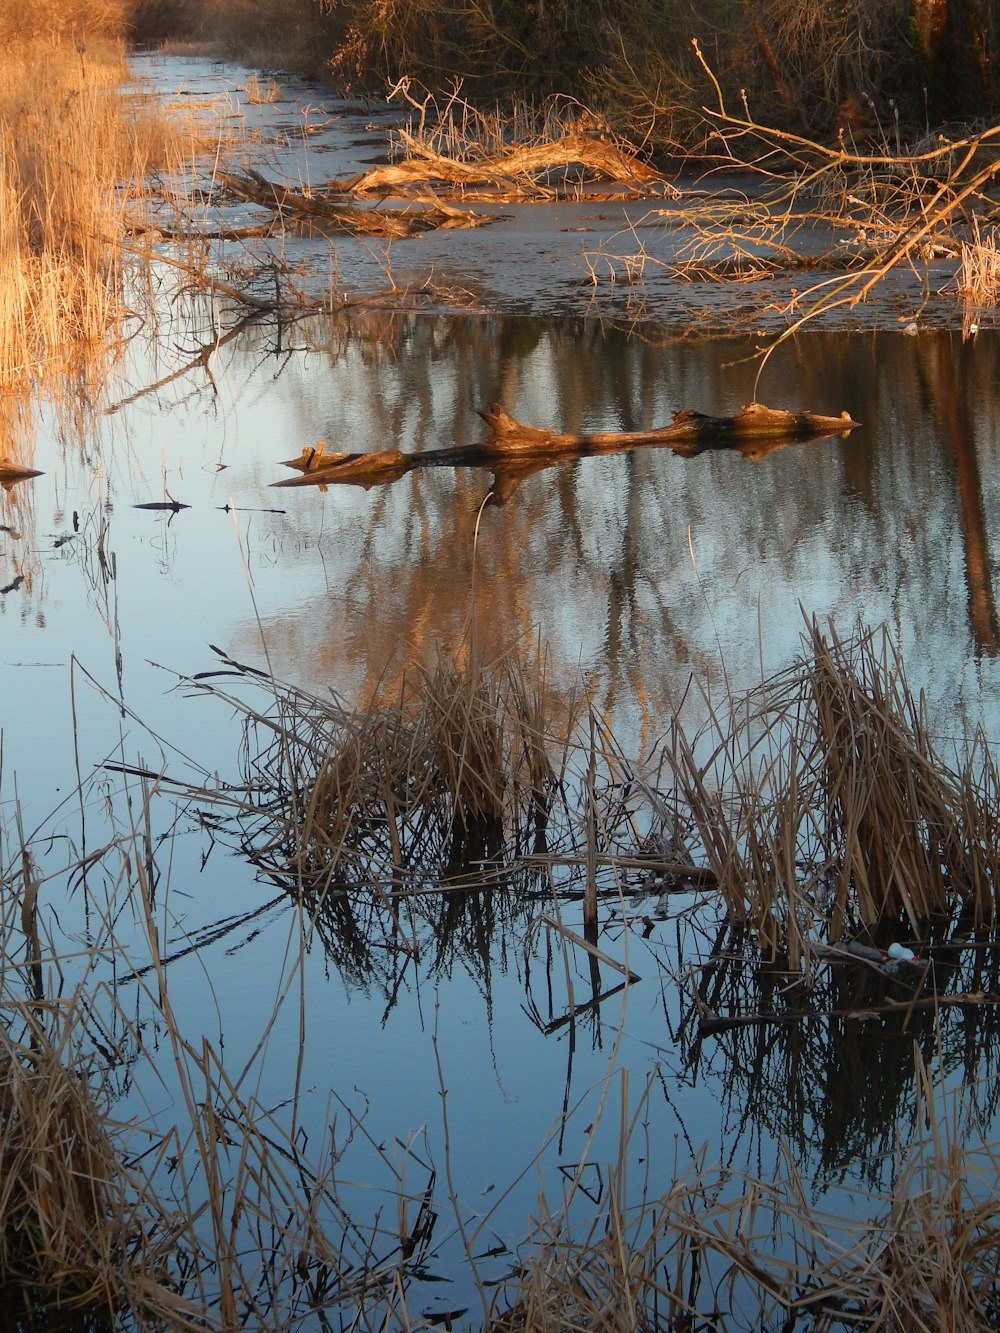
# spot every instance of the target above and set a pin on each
(639, 573)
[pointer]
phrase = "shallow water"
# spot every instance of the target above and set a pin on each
(638, 572)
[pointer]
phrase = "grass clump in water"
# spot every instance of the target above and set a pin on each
(74, 1236)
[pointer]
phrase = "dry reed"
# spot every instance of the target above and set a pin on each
(823, 806)
(458, 758)
(75, 155)
(68, 1220)
(229, 1222)
(979, 271)
(721, 1249)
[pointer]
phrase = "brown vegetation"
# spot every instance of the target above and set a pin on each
(73, 162)
(800, 62)
(417, 818)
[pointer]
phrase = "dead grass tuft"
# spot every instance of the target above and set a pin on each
(458, 757)
(71, 1219)
(979, 272)
(74, 157)
(823, 805)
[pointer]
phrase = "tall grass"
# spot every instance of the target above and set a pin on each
(824, 808)
(74, 155)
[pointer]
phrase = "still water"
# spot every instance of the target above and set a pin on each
(639, 573)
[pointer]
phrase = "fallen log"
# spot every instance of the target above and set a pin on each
(689, 432)
(394, 223)
(525, 162)
(515, 451)
(11, 473)
(318, 468)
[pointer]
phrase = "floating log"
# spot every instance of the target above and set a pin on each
(689, 432)
(11, 473)
(363, 469)
(515, 451)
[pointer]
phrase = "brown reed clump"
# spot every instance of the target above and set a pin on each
(979, 269)
(823, 804)
(68, 1222)
(457, 758)
(914, 834)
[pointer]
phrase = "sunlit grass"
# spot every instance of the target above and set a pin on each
(74, 156)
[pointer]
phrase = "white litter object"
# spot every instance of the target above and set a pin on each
(901, 953)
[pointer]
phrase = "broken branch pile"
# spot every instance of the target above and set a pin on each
(526, 164)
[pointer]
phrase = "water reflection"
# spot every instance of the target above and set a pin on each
(655, 584)
(829, 1065)
(697, 564)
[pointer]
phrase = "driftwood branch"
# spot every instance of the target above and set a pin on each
(423, 165)
(514, 450)
(693, 431)
(393, 223)
(11, 473)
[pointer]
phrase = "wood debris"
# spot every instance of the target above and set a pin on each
(392, 223)
(523, 164)
(515, 451)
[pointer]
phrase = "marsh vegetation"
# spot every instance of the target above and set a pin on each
(431, 845)
(426, 832)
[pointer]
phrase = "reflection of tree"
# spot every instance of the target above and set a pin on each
(942, 370)
(620, 561)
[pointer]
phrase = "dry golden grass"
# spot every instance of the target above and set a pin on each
(74, 157)
(979, 272)
(820, 805)
(823, 805)
(62, 1198)
(460, 753)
